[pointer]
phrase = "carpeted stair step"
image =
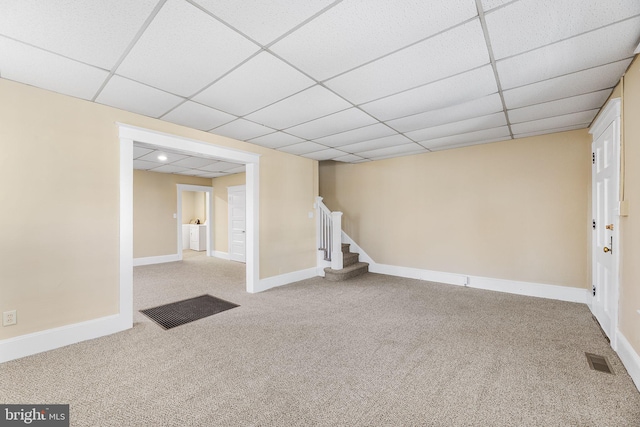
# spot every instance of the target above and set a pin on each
(346, 273)
(345, 248)
(349, 258)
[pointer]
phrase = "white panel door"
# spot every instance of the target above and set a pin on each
(237, 223)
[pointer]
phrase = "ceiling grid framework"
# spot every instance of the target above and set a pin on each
(349, 80)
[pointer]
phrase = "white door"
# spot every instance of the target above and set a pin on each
(605, 245)
(237, 223)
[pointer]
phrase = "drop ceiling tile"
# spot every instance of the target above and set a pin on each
(555, 130)
(374, 144)
(357, 135)
(583, 117)
(467, 110)
(528, 24)
(335, 123)
(276, 140)
(219, 166)
(357, 31)
(91, 31)
(261, 81)
(194, 162)
(441, 94)
(238, 169)
(169, 169)
(303, 148)
(184, 49)
(242, 129)
(189, 172)
(135, 97)
(153, 157)
(468, 144)
(349, 158)
(477, 137)
(140, 151)
(197, 116)
(603, 46)
(470, 125)
(591, 80)
(407, 153)
(264, 21)
(560, 107)
(145, 165)
(307, 105)
(492, 4)
(324, 154)
(211, 174)
(36, 67)
(391, 151)
(454, 51)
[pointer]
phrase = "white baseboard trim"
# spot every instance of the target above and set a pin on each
(630, 359)
(155, 259)
(416, 273)
(540, 290)
(285, 279)
(37, 342)
(221, 255)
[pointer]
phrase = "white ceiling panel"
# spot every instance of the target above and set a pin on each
(303, 148)
(238, 169)
(91, 31)
(332, 124)
(242, 129)
(468, 138)
(261, 81)
(357, 31)
(560, 107)
(349, 158)
(136, 97)
(547, 131)
(599, 47)
(219, 167)
(140, 151)
(211, 174)
(194, 162)
(36, 67)
(390, 151)
(325, 154)
(169, 169)
(374, 144)
(467, 110)
(197, 116)
(492, 4)
(405, 153)
(441, 94)
(528, 24)
(357, 135)
(443, 147)
(465, 126)
(455, 51)
(276, 140)
(307, 105)
(264, 21)
(184, 49)
(153, 157)
(145, 165)
(583, 117)
(586, 81)
(189, 172)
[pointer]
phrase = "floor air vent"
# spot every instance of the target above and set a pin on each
(598, 363)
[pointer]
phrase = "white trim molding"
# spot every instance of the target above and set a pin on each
(630, 358)
(156, 259)
(285, 279)
(208, 190)
(221, 255)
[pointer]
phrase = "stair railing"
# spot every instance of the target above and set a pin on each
(329, 234)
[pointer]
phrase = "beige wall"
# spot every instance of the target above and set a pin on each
(514, 210)
(194, 206)
(630, 225)
(221, 209)
(155, 200)
(60, 157)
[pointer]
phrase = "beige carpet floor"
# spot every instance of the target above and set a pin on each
(373, 351)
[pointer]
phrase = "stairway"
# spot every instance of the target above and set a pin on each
(352, 266)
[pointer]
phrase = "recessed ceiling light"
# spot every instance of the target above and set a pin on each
(162, 157)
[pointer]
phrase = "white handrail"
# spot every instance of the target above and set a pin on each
(329, 234)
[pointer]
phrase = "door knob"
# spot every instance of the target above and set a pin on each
(606, 249)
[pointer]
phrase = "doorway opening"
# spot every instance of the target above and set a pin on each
(195, 218)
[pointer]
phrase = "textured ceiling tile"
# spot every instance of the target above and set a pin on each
(96, 32)
(140, 151)
(548, 131)
(325, 154)
(264, 21)
(356, 31)
(242, 129)
(441, 94)
(374, 144)
(467, 110)
(36, 67)
(470, 138)
(492, 4)
(136, 97)
(153, 157)
(560, 107)
(468, 144)
(276, 140)
(377, 130)
(470, 125)
(528, 24)
(184, 49)
(454, 51)
(390, 151)
(198, 116)
(303, 148)
(349, 158)
(332, 124)
(394, 155)
(169, 169)
(194, 162)
(599, 47)
(310, 104)
(583, 117)
(262, 80)
(586, 81)
(219, 166)
(144, 165)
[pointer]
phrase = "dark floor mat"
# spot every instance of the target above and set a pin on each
(178, 313)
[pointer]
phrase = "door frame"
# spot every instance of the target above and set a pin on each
(229, 207)
(609, 115)
(209, 211)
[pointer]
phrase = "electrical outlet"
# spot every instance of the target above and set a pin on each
(9, 318)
